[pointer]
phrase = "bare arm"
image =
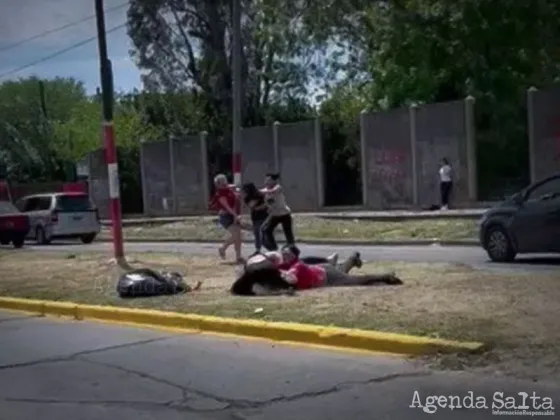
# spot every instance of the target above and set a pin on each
(274, 189)
(226, 206)
(289, 276)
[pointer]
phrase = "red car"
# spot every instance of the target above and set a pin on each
(14, 225)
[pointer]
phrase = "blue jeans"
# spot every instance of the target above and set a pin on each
(257, 233)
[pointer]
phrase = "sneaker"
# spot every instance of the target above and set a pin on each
(333, 259)
(222, 253)
(357, 260)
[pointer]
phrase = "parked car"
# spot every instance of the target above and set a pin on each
(59, 216)
(527, 222)
(14, 225)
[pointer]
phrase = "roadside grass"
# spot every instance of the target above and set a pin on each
(516, 314)
(316, 229)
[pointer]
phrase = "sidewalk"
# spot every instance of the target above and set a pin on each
(387, 215)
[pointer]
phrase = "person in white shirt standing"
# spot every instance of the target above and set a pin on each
(445, 183)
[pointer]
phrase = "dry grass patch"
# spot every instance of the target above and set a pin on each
(516, 314)
(316, 228)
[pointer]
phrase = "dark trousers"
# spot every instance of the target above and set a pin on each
(257, 233)
(270, 224)
(445, 192)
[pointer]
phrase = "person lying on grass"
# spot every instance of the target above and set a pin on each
(262, 275)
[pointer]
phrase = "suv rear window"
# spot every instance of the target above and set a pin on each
(6, 208)
(73, 203)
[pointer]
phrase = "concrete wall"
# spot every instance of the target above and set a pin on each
(98, 181)
(543, 107)
(300, 163)
(257, 154)
(441, 132)
(402, 150)
(387, 174)
(175, 176)
(155, 161)
(190, 173)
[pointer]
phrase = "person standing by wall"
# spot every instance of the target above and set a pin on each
(279, 213)
(445, 183)
(226, 202)
(254, 199)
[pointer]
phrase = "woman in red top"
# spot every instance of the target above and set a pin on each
(226, 201)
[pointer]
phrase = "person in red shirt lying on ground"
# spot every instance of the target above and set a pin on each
(305, 276)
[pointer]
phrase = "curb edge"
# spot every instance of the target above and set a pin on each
(334, 337)
(420, 242)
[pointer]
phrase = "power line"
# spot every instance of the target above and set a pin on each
(58, 53)
(58, 29)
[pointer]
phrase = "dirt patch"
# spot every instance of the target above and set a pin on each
(315, 228)
(516, 314)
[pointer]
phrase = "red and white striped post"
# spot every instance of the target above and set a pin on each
(114, 189)
(109, 136)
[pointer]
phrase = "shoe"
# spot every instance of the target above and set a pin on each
(222, 253)
(357, 260)
(333, 259)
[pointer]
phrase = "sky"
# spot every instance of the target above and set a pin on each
(22, 19)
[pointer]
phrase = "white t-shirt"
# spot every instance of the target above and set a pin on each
(276, 202)
(445, 173)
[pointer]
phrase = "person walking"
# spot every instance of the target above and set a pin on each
(226, 201)
(279, 213)
(254, 199)
(445, 183)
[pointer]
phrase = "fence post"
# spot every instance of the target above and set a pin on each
(363, 152)
(319, 163)
(531, 127)
(414, 152)
(205, 172)
(170, 143)
(145, 203)
(276, 145)
(470, 131)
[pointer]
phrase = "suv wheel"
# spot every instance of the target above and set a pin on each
(18, 241)
(88, 238)
(498, 245)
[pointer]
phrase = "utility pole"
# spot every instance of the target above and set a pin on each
(43, 99)
(109, 135)
(237, 92)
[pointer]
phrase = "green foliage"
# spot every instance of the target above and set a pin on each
(185, 45)
(26, 133)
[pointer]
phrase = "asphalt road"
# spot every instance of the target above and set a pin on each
(52, 369)
(470, 255)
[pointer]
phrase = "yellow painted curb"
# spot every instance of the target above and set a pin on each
(279, 331)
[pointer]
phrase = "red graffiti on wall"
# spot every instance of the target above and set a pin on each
(386, 164)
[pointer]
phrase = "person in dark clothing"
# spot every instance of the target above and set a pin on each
(254, 199)
(445, 183)
(279, 213)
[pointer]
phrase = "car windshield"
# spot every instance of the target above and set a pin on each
(6, 208)
(73, 203)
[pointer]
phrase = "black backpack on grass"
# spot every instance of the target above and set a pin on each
(144, 282)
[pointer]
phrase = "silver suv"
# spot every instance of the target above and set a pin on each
(60, 215)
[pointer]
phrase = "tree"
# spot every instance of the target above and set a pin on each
(81, 132)
(185, 46)
(25, 126)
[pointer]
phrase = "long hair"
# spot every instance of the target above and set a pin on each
(250, 190)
